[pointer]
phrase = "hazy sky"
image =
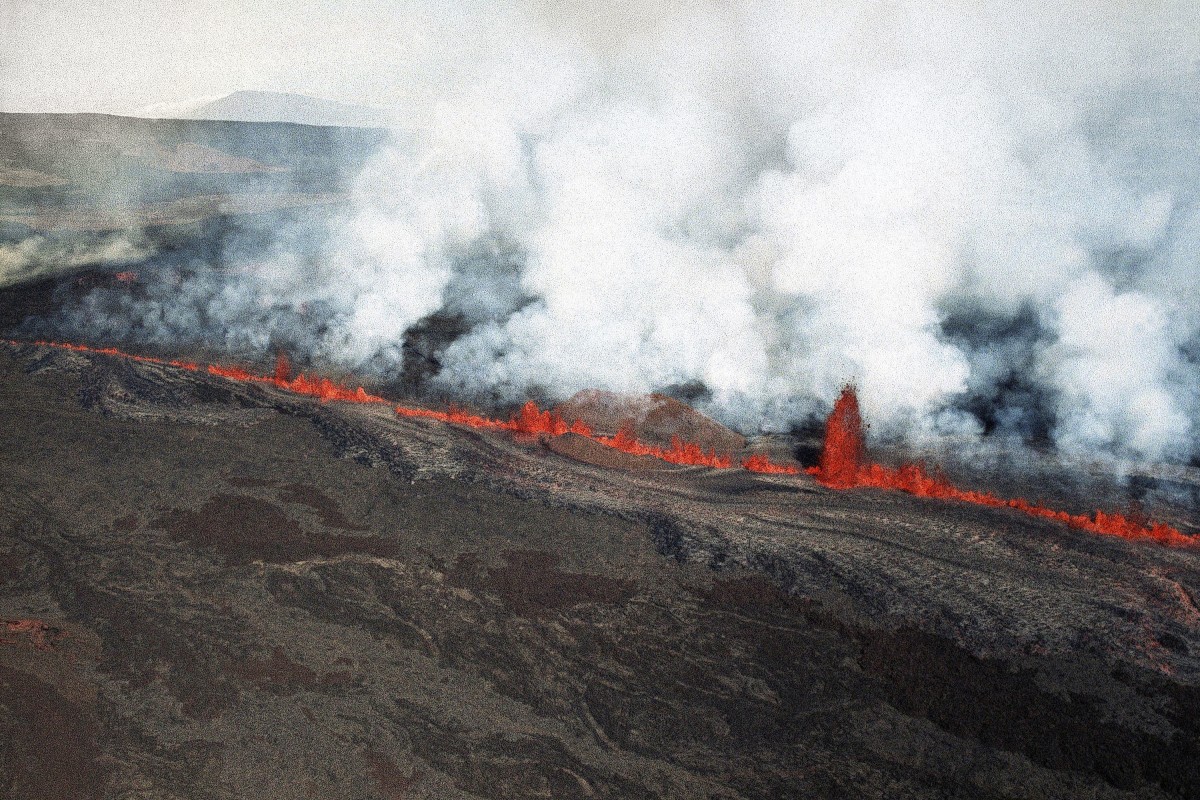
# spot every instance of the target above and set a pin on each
(120, 55)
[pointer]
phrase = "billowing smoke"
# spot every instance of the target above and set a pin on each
(985, 214)
(41, 255)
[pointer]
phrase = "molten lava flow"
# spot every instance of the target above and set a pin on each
(454, 416)
(842, 456)
(321, 388)
(529, 421)
(283, 369)
(191, 366)
(532, 421)
(843, 466)
(680, 452)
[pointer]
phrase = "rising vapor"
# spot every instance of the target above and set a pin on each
(983, 214)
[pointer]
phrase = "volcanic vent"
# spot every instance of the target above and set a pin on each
(843, 463)
(844, 466)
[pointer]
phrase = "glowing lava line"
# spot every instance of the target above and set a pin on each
(763, 464)
(843, 466)
(843, 463)
(191, 366)
(321, 388)
(529, 421)
(532, 421)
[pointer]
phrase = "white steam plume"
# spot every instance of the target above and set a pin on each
(42, 255)
(981, 212)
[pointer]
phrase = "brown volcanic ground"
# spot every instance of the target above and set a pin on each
(213, 591)
(655, 419)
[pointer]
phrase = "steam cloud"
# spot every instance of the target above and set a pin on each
(984, 213)
(38, 256)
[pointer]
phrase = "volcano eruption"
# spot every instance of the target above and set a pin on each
(843, 463)
(747, 401)
(844, 466)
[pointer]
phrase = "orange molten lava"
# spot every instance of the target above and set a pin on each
(283, 369)
(680, 452)
(532, 421)
(529, 421)
(842, 456)
(111, 351)
(321, 388)
(843, 466)
(760, 463)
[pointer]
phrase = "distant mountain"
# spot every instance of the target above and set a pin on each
(250, 106)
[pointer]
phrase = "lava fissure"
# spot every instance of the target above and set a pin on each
(843, 465)
(529, 421)
(532, 421)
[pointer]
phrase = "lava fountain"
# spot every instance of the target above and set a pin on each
(844, 449)
(843, 465)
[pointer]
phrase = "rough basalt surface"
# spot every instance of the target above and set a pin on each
(211, 590)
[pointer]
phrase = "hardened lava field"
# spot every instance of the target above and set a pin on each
(218, 589)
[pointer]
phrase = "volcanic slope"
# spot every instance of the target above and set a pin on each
(210, 590)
